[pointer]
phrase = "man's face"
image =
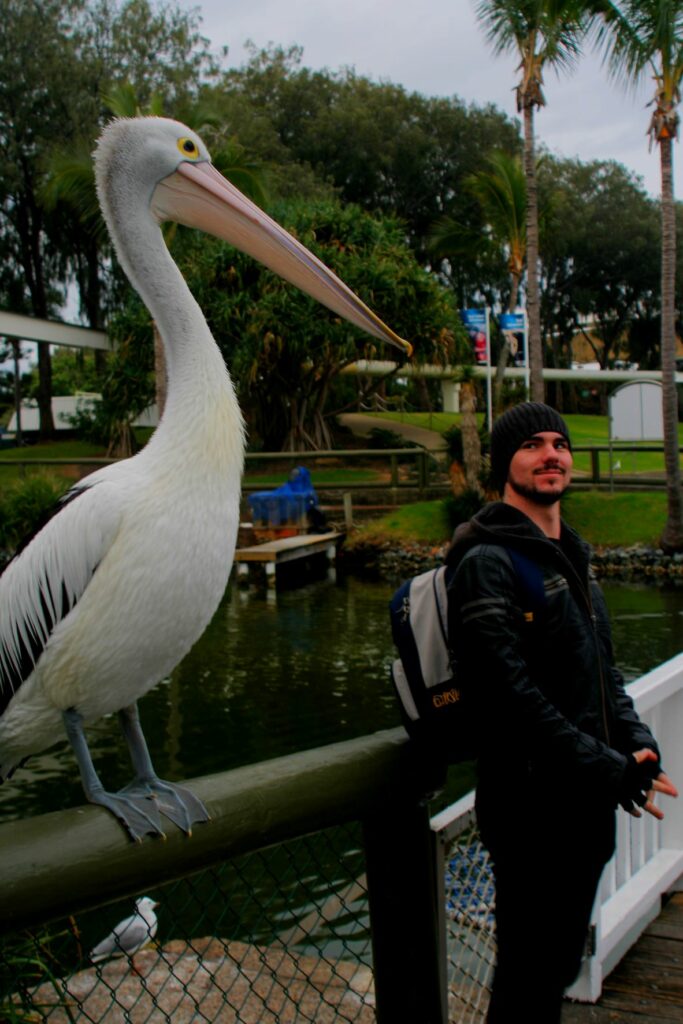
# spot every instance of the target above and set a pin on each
(541, 468)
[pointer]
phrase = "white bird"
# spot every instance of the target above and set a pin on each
(114, 590)
(129, 935)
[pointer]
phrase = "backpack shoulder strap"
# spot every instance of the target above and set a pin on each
(530, 576)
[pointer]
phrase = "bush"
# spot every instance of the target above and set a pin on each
(380, 438)
(461, 507)
(24, 507)
(453, 438)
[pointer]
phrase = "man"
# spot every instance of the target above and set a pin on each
(560, 743)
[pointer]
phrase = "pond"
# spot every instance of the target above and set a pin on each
(280, 672)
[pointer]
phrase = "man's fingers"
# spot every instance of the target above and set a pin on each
(644, 755)
(654, 810)
(663, 784)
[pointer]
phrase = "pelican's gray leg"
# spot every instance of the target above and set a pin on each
(176, 802)
(138, 813)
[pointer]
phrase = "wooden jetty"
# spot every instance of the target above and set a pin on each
(287, 549)
(646, 987)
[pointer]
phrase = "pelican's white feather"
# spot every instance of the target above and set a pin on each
(46, 580)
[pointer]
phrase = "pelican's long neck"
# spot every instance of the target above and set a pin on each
(200, 396)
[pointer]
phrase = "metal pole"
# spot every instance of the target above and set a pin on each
(489, 401)
(348, 511)
(595, 465)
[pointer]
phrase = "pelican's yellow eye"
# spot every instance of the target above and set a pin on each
(188, 147)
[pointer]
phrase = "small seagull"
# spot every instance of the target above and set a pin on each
(131, 934)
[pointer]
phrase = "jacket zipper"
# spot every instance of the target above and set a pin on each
(586, 594)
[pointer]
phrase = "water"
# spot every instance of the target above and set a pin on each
(278, 673)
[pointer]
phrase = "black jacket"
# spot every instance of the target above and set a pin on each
(550, 703)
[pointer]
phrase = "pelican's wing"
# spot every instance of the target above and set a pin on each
(48, 575)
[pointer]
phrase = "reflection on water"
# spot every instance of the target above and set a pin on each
(647, 625)
(274, 674)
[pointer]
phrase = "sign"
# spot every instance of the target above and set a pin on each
(476, 325)
(635, 412)
(513, 326)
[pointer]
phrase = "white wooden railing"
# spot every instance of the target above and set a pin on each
(648, 861)
(649, 856)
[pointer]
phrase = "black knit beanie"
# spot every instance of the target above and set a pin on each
(516, 426)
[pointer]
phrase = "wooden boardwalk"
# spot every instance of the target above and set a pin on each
(275, 552)
(647, 986)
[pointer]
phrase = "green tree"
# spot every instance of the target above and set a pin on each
(541, 33)
(640, 36)
(390, 151)
(501, 192)
(37, 58)
(599, 254)
(56, 58)
(285, 350)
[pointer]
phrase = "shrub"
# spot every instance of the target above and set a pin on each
(461, 507)
(380, 437)
(24, 507)
(453, 438)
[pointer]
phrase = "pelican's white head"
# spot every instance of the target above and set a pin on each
(133, 154)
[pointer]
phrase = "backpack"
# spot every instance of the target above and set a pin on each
(434, 704)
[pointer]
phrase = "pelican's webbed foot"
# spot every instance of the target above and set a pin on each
(137, 812)
(176, 802)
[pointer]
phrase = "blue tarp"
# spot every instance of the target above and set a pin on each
(286, 505)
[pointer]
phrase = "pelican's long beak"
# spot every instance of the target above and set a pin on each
(196, 195)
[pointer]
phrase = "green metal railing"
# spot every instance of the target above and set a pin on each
(421, 468)
(310, 896)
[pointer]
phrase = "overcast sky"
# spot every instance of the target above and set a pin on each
(437, 48)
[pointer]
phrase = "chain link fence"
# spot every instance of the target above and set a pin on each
(469, 925)
(280, 934)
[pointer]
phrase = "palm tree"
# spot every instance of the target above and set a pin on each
(501, 192)
(641, 35)
(542, 33)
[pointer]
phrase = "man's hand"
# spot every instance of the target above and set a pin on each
(662, 784)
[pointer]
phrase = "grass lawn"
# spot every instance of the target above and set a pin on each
(425, 522)
(319, 477)
(583, 429)
(604, 520)
(68, 449)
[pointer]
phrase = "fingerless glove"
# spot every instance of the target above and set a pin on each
(637, 782)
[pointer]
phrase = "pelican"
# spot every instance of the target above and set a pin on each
(115, 589)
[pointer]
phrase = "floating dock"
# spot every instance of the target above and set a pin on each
(287, 549)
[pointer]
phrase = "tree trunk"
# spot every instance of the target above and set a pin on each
(47, 423)
(534, 341)
(16, 355)
(471, 445)
(672, 537)
(29, 225)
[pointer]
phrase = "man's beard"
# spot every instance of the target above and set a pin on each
(545, 498)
